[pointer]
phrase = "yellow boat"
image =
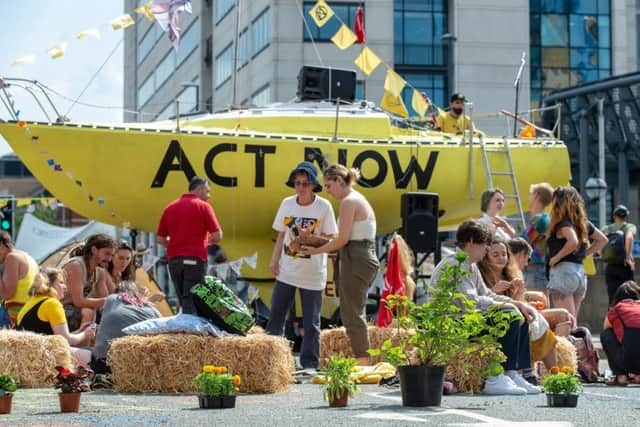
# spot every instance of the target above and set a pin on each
(125, 174)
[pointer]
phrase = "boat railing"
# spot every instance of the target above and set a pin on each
(36, 90)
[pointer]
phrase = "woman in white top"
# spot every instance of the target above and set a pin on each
(492, 204)
(357, 260)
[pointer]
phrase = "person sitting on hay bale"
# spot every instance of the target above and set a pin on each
(127, 307)
(43, 313)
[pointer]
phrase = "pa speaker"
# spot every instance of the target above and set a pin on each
(326, 84)
(420, 221)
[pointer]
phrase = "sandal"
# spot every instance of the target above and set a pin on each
(616, 381)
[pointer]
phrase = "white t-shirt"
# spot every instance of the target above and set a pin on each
(304, 271)
(498, 231)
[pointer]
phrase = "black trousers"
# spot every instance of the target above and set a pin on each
(186, 272)
(623, 359)
(615, 275)
(516, 346)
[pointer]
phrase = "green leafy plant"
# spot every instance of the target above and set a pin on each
(216, 381)
(447, 325)
(69, 381)
(339, 377)
(8, 384)
(562, 381)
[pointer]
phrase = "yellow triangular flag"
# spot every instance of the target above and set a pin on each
(321, 13)
(418, 103)
(4, 202)
(23, 202)
(394, 104)
(57, 51)
(86, 33)
(394, 83)
(29, 59)
(145, 10)
(344, 37)
(47, 201)
(121, 22)
(367, 61)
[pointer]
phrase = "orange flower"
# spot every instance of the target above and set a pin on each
(22, 124)
(236, 380)
(555, 370)
(567, 369)
(223, 369)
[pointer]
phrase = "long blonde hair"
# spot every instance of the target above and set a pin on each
(43, 283)
(350, 176)
(567, 204)
(509, 272)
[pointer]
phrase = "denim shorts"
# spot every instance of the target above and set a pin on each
(568, 279)
(535, 276)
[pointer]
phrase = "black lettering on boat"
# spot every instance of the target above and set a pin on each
(260, 152)
(423, 177)
(314, 155)
(225, 181)
(382, 168)
(342, 156)
(174, 152)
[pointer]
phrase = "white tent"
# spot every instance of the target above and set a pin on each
(40, 239)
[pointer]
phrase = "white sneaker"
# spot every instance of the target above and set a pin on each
(522, 383)
(502, 384)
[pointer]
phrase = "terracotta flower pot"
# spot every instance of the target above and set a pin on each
(562, 400)
(5, 403)
(69, 402)
(340, 401)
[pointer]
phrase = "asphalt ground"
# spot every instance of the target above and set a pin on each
(303, 405)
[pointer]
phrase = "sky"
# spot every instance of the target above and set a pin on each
(31, 27)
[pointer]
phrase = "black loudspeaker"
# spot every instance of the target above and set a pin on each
(326, 84)
(420, 221)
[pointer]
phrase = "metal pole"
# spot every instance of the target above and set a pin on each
(602, 203)
(236, 28)
(335, 129)
(584, 151)
(517, 86)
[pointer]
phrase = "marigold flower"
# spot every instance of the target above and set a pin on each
(236, 380)
(208, 369)
(567, 369)
(223, 369)
(555, 370)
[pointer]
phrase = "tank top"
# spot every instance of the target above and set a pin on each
(31, 322)
(88, 286)
(22, 287)
(363, 230)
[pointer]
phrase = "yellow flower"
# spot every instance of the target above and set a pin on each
(567, 369)
(223, 369)
(236, 380)
(208, 369)
(555, 370)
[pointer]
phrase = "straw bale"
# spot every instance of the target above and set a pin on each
(168, 363)
(565, 355)
(31, 357)
(464, 371)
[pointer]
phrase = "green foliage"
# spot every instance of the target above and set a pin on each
(215, 381)
(71, 382)
(338, 377)
(562, 382)
(8, 385)
(447, 325)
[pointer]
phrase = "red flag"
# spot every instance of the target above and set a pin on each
(393, 285)
(358, 26)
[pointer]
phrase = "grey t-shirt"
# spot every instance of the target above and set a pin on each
(116, 316)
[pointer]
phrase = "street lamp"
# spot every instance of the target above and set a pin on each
(596, 188)
(448, 40)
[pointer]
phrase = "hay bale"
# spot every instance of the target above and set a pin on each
(168, 363)
(336, 341)
(565, 355)
(31, 357)
(464, 370)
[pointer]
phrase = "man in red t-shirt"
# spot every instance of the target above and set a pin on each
(187, 226)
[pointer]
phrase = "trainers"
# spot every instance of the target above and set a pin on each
(502, 384)
(522, 383)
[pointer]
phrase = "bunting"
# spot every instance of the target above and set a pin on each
(394, 104)
(344, 38)
(145, 10)
(58, 50)
(321, 13)
(29, 59)
(86, 33)
(122, 21)
(166, 13)
(419, 103)
(358, 26)
(367, 61)
(393, 83)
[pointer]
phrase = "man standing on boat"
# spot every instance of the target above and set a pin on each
(187, 226)
(454, 121)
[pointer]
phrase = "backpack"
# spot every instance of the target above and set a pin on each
(614, 252)
(587, 354)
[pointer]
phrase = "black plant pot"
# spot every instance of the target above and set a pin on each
(421, 385)
(562, 400)
(216, 402)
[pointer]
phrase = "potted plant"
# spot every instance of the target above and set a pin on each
(562, 387)
(432, 334)
(71, 384)
(339, 382)
(7, 387)
(217, 387)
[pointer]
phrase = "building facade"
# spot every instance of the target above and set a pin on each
(241, 52)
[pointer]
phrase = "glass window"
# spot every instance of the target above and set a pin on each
(222, 8)
(223, 66)
(166, 67)
(260, 33)
(583, 30)
(554, 6)
(555, 78)
(583, 6)
(553, 30)
(147, 43)
(145, 91)
(604, 31)
(555, 57)
(243, 48)
(345, 11)
(189, 98)
(189, 41)
(359, 90)
(584, 58)
(603, 6)
(169, 111)
(262, 96)
(418, 31)
(604, 58)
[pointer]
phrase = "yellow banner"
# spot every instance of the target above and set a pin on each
(394, 104)
(393, 83)
(418, 103)
(344, 37)
(321, 13)
(367, 61)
